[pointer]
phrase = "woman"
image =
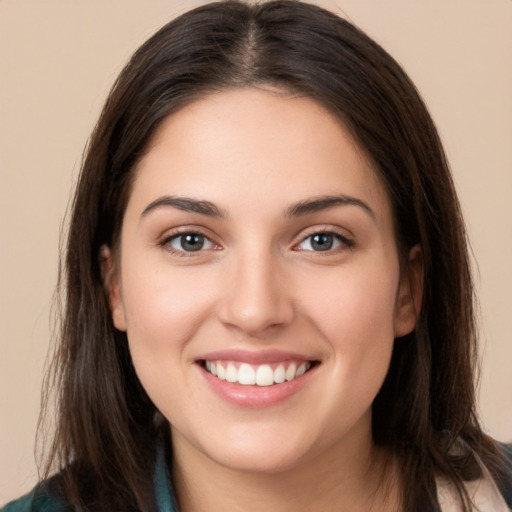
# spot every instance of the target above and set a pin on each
(268, 298)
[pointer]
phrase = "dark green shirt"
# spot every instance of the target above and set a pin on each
(41, 500)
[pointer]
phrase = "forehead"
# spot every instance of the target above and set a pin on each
(266, 146)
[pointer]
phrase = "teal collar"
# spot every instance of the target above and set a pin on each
(164, 491)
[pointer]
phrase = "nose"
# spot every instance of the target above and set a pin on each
(257, 300)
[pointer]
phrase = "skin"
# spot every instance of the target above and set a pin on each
(258, 284)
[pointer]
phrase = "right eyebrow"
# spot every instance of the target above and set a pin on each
(316, 204)
(186, 204)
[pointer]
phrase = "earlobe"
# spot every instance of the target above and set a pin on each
(112, 287)
(410, 293)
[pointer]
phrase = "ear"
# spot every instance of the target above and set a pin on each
(410, 292)
(111, 282)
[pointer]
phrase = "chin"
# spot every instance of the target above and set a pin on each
(262, 450)
(258, 462)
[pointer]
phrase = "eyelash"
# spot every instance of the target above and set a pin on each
(344, 242)
(166, 242)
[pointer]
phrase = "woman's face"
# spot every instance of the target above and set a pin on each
(258, 245)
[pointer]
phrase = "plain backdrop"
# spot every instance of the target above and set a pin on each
(58, 59)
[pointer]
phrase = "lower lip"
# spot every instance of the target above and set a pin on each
(256, 396)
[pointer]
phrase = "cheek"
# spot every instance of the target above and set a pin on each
(354, 305)
(164, 308)
(354, 313)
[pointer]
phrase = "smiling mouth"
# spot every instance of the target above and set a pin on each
(257, 375)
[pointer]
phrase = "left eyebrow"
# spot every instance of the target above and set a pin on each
(186, 204)
(317, 204)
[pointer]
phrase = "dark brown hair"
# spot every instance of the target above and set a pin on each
(107, 426)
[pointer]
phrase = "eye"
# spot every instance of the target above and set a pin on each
(188, 242)
(324, 241)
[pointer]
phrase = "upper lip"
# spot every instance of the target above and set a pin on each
(253, 357)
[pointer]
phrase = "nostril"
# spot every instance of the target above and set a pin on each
(254, 316)
(256, 299)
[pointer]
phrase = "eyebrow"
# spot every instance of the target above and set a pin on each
(186, 204)
(317, 204)
(299, 209)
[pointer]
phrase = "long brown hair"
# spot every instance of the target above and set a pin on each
(106, 424)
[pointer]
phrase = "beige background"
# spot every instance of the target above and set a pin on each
(58, 59)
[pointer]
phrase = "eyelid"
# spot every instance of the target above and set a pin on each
(165, 240)
(347, 242)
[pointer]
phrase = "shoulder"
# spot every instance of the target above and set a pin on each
(23, 504)
(40, 499)
(506, 488)
(34, 503)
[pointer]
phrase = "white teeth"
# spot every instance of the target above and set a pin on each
(231, 373)
(290, 372)
(279, 374)
(301, 370)
(221, 372)
(261, 375)
(264, 376)
(246, 375)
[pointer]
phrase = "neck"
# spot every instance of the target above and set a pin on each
(360, 477)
